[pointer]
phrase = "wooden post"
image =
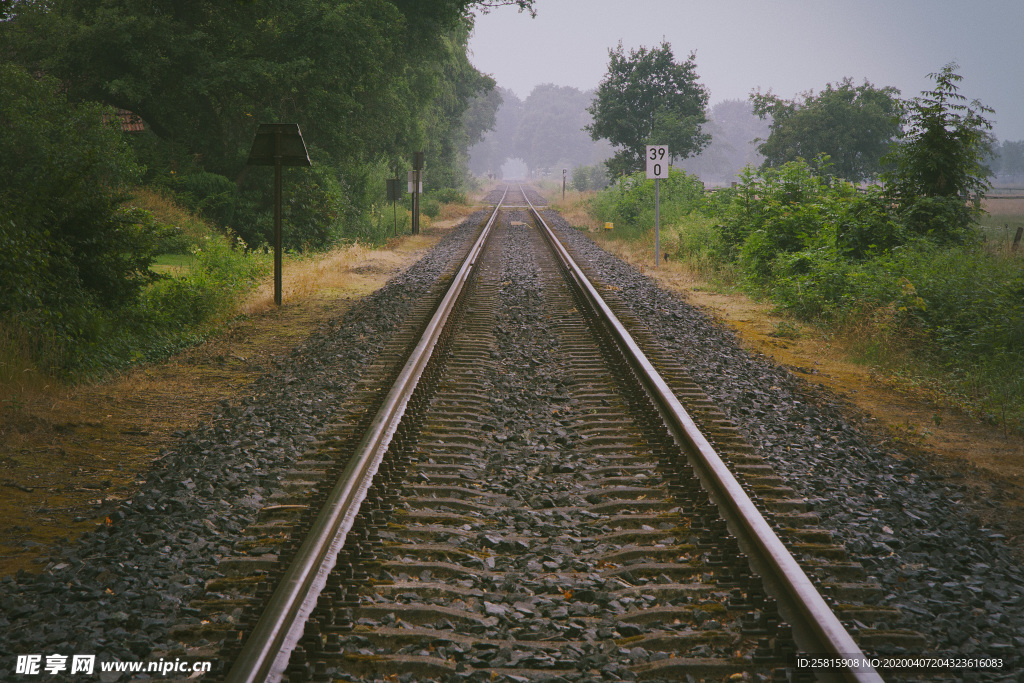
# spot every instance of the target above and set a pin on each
(278, 153)
(1016, 238)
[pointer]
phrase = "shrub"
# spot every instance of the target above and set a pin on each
(630, 205)
(449, 195)
(429, 206)
(210, 195)
(580, 179)
(314, 208)
(69, 248)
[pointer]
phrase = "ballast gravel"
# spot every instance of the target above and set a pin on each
(118, 592)
(954, 580)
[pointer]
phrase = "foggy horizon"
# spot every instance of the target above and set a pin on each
(788, 47)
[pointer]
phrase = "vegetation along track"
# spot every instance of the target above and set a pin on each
(531, 501)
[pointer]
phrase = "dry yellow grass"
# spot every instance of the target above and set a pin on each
(19, 377)
(302, 277)
(347, 270)
(1003, 206)
(64, 447)
(574, 209)
(454, 212)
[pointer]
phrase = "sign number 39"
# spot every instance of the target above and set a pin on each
(657, 161)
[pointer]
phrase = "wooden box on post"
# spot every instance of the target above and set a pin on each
(394, 186)
(278, 145)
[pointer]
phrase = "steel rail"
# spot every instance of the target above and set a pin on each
(816, 628)
(265, 653)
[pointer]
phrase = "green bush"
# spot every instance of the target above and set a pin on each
(580, 179)
(943, 220)
(218, 275)
(698, 243)
(630, 204)
(449, 195)
(70, 252)
(429, 206)
(910, 272)
(315, 207)
(387, 221)
(210, 195)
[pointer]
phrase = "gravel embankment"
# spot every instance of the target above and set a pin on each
(117, 592)
(954, 580)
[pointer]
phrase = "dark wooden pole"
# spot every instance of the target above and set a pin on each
(277, 217)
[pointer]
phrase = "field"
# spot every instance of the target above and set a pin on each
(1004, 214)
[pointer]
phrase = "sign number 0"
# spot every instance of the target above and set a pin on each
(657, 161)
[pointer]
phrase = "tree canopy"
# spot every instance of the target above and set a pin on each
(546, 131)
(65, 243)
(852, 125)
(944, 143)
(646, 97)
(356, 74)
(369, 82)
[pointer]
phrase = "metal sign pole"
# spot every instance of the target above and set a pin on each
(277, 216)
(277, 145)
(415, 202)
(417, 181)
(657, 219)
(657, 160)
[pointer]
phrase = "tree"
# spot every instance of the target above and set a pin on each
(939, 160)
(545, 131)
(66, 245)
(853, 125)
(944, 143)
(649, 98)
(551, 129)
(369, 81)
(734, 130)
(1010, 159)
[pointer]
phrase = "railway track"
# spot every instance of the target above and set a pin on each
(520, 492)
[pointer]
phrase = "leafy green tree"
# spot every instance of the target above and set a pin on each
(580, 179)
(551, 131)
(648, 98)
(939, 160)
(944, 143)
(369, 81)
(1010, 159)
(853, 125)
(66, 245)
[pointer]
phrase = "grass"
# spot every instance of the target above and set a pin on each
(1002, 218)
(19, 374)
(303, 276)
(950, 334)
(575, 208)
(172, 264)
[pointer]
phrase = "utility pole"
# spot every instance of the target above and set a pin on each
(415, 188)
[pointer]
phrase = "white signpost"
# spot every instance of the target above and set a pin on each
(657, 168)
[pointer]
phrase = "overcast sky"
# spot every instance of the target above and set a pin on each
(789, 46)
